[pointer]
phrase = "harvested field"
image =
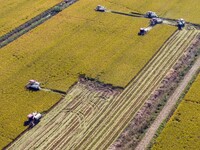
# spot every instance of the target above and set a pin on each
(98, 124)
(15, 12)
(182, 130)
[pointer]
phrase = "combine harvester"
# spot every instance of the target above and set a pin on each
(33, 85)
(100, 8)
(154, 20)
(143, 31)
(181, 24)
(151, 14)
(33, 119)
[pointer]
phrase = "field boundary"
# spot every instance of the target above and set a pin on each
(163, 124)
(168, 106)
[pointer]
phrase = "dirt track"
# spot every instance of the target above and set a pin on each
(93, 119)
(168, 107)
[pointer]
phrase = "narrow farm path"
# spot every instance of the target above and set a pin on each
(93, 119)
(168, 107)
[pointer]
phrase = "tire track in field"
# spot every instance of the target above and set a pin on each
(92, 119)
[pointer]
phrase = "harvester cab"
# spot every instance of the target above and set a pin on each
(181, 24)
(151, 14)
(34, 118)
(100, 8)
(143, 31)
(33, 85)
(155, 21)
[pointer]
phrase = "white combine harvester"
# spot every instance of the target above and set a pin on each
(143, 31)
(33, 85)
(34, 118)
(155, 21)
(181, 24)
(151, 14)
(100, 8)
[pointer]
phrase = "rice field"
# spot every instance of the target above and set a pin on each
(77, 41)
(103, 46)
(16, 12)
(182, 130)
(189, 10)
(92, 116)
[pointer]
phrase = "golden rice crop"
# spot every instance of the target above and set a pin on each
(16, 12)
(189, 10)
(194, 94)
(76, 41)
(182, 130)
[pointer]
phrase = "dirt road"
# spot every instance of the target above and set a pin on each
(168, 107)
